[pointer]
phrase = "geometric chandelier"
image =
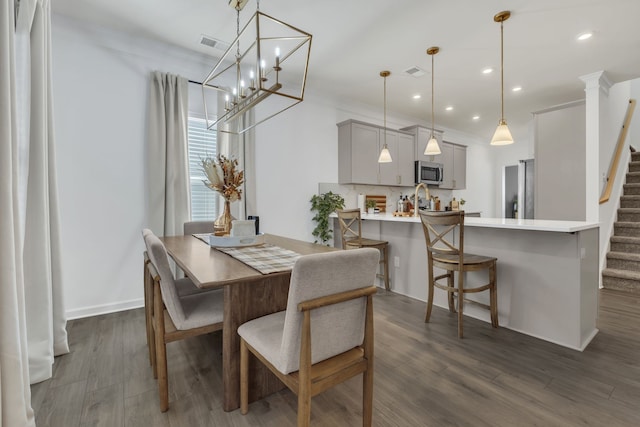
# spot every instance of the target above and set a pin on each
(263, 70)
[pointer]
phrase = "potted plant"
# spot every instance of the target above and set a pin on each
(371, 205)
(324, 205)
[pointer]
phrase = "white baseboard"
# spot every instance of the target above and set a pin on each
(79, 313)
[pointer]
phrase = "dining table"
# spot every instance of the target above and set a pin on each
(248, 294)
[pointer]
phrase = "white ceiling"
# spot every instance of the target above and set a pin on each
(353, 40)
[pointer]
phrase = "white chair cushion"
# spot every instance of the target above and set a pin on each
(264, 334)
(201, 309)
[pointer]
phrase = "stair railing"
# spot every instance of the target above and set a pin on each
(611, 175)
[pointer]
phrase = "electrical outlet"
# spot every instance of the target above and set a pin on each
(396, 261)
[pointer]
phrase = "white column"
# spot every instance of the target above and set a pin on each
(597, 91)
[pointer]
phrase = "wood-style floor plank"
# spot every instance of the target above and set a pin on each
(424, 376)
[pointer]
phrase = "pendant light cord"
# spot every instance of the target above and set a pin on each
(432, 97)
(385, 112)
(502, 71)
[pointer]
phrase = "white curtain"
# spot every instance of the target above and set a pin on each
(46, 323)
(169, 205)
(32, 325)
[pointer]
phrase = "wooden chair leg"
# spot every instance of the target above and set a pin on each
(147, 313)
(304, 377)
(161, 349)
(460, 303)
(493, 294)
(367, 397)
(244, 377)
(429, 300)
(385, 253)
(451, 295)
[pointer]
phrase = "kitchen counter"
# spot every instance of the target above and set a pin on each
(505, 223)
(548, 275)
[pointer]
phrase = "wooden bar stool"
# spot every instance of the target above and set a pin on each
(444, 254)
(351, 230)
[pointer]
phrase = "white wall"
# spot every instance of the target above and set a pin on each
(100, 83)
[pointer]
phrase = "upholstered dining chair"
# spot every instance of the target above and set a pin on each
(184, 286)
(325, 335)
(443, 252)
(351, 232)
(197, 227)
(176, 316)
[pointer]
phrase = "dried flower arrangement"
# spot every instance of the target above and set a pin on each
(223, 177)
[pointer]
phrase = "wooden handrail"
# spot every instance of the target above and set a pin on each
(611, 176)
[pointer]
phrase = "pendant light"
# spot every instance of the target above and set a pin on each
(432, 147)
(385, 155)
(502, 135)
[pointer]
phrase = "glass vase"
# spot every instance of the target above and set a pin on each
(222, 225)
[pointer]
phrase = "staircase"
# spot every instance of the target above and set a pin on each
(623, 260)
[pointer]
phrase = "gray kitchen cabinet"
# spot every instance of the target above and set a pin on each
(421, 138)
(454, 160)
(359, 146)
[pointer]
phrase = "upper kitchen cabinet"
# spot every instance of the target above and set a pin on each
(359, 146)
(454, 160)
(421, 136)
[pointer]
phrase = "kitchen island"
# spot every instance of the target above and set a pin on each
(547, 271)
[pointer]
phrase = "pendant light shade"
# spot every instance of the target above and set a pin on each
(432, 147)
(385, 155)
(502, 135)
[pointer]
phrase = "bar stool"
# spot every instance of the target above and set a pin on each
(444, 254)
(351, 230)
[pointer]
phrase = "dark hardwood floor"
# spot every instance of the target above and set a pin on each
(424, 376)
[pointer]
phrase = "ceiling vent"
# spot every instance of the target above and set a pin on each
(214, 43)
(415, 71)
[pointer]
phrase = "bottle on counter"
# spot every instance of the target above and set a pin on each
(400, 207)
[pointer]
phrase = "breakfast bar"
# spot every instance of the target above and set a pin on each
(547, 271)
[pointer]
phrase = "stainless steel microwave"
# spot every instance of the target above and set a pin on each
(428, 173)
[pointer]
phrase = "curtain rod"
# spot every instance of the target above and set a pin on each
(195, 82)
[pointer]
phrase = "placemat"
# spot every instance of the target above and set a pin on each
(265, 258)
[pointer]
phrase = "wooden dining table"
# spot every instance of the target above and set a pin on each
(248, 294)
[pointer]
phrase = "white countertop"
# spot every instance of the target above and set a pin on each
(506, 223)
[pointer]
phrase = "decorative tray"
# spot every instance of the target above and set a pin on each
(236, 241)
(396, 213)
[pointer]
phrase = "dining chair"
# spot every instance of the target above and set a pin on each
(176, 316)
(197, 227)
(443, 252)
(325, 335)
(351, 231)
(184, 286)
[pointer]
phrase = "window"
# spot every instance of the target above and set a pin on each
(202, 143)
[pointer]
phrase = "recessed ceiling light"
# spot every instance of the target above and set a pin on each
(476, 117)
(449, 108)
(584, 36)
(417, 96)
(487, 71)
(517, 88)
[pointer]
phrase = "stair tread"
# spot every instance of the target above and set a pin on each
(634, 173)
(625, 239)
(627, 224)
(629, 210)
(632, 184)
(621, 274)
(624, 255)
(630, 197)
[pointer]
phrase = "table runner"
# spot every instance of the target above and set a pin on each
(265, 258)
